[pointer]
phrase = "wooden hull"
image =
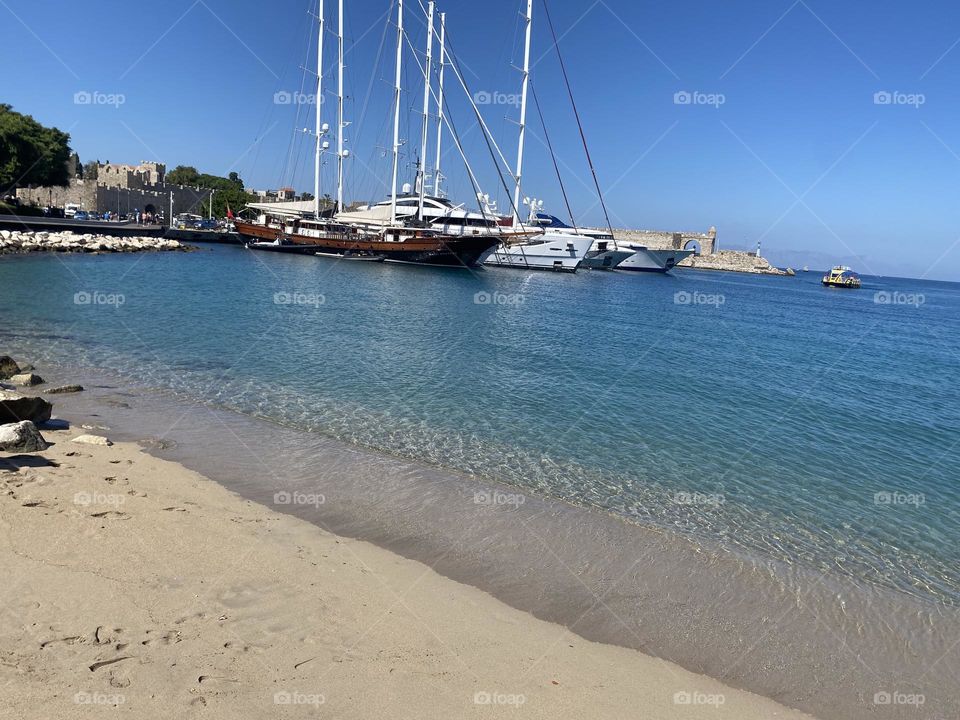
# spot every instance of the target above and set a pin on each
(419, 248)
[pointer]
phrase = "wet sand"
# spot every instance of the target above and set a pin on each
(132, 581)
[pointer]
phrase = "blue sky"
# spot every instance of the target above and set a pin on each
(784, 140)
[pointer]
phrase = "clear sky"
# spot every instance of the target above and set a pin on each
(784, 140)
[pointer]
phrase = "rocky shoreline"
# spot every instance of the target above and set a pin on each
(14, 242)
(734, 261)
(20, 414)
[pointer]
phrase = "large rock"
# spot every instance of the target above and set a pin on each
(8, 368)
(92, 440)
(64, 389)
(15, 407)
(27, 379)
(21, 437)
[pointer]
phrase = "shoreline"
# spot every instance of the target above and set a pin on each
(140, 584)
(561, 587)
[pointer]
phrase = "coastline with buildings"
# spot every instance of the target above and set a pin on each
(121, 189)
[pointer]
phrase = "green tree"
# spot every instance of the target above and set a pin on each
(74, 166)
(91, 170)
(31, 154)
(183, 175)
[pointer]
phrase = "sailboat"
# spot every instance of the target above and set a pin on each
(286, 227)
(552, 250)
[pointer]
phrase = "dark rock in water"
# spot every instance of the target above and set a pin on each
(15, 407)
(64, 389)
(8, 368)
(21, 437)
(27, 379)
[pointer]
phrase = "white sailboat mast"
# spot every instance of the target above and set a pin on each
(396, 114)
(422, 165)
(436, 164)
(340, 107)
(317, 148)
(523, 114)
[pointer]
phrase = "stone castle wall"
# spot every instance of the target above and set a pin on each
(662, 240)
(93, 196)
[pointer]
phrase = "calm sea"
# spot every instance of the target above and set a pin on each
(768, 418)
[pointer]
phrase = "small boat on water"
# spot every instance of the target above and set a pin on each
(842, 277)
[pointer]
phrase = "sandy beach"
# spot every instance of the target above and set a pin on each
(133, 582)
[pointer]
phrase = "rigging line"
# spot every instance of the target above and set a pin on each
(553, 157)
(448, 119)
(374, 76)
(455, 66)
(583, 137)
(486, 135)
(268, 112)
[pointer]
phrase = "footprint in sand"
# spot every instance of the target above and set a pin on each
(72, 640)
(37, 503)
(103, 663)
(105, 636)
(171, 638)
(111, 514)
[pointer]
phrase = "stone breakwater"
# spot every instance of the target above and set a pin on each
(12, 241)
(733, 261)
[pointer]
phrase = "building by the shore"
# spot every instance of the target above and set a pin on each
(121, 189)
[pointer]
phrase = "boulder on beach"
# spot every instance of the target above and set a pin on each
(27, 379)
(15, 407)
(8, 368)
(21, 437)
(60, 389)
(91, 440)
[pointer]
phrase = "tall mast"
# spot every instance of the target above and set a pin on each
(523, 114)
(316, 155)
(340, 106)
(436, 164)
(396, 114)
(422, 165)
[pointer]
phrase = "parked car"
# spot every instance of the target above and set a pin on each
(81, 215)
(70, 209)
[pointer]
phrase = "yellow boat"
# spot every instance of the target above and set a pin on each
(841, 276)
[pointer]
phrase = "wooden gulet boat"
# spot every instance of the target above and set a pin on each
(393, 244)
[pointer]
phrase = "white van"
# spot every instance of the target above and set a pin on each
(70, 209)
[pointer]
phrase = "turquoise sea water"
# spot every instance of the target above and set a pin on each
(768, 416)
